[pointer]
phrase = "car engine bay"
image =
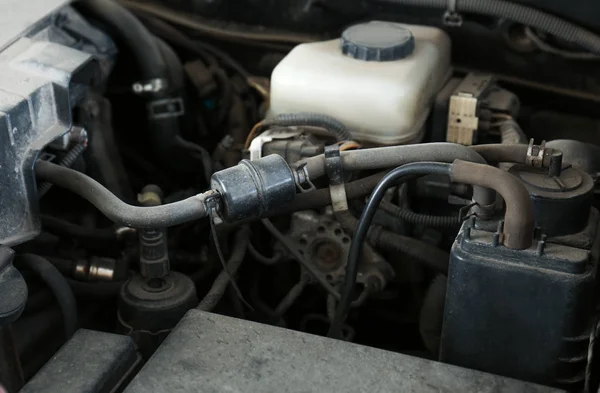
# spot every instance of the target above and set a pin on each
(312, 195)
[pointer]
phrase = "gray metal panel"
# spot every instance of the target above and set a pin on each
(18, 17)
(90, 362)
(213, 353)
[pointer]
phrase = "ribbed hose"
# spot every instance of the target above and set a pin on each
(50, 275)
(425, 253)
(420, 219)
(334, 126)
(518, 13)
(67, 161)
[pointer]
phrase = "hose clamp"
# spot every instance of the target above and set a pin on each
(451, 17)
(335, 172)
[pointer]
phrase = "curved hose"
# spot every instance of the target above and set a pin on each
(420, 219)
(393, 156)
(527, 16)
(334, 126)
(59, 286)
(138, 39)
(61, 227)
(216, 292)
(115, 209)
(432, 314)
(67, 161)
(429, 255)
(254, 253)
(100, 290)
(518, 219)
(391, 179)
(174, 67)
(423, 252)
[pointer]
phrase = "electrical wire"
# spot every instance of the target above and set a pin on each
(229, 269)
(393, 178)
(262, 258)
(300, 258)
(252, 134)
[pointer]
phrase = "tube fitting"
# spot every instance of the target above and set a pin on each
(519, 218)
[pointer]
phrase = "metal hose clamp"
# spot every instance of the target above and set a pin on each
(335, 172)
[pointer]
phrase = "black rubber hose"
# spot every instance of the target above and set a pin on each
(115, 209)
(265, 260)
(61, 227)
(393, 178)
(216, 292)
(334, 126)
(432, 314)
(100, 290)
(132, 32)
(59, 286)
(425, 253)
(518, 13)
(174, 66)
(420, 219)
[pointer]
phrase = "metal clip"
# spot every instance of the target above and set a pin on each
(302, 180)
(335, 172)
(535, 154)
(451, 17)
(150, 86)
(465, 212)
(212, 203)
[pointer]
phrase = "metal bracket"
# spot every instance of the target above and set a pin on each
(266, 137)
(335, 172)
(168, 107)
(451, 17)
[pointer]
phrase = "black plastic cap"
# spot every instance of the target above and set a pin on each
(377, 41)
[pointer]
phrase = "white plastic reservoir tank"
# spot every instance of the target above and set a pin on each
(379, 79)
